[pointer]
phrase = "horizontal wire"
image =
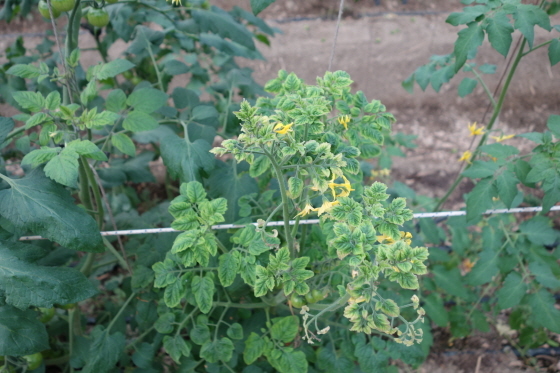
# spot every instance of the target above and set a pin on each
(421, 215)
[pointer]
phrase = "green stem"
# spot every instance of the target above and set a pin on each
(117, 255)
(154, 62)
(88, 263)
(15, 132)
(241, 305)
(285, 207)
(495, 114)
(132, 295)
(96, 193)
(538, 46)
(485, 87)
(140, 337)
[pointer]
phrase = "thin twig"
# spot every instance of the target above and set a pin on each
(336, 33)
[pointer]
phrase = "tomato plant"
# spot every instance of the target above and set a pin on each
(46, 314)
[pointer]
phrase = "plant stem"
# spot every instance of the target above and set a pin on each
(241, 305)
(117, 255)
(285, 207)
(132, 295)
(96, 193)
(495, 114)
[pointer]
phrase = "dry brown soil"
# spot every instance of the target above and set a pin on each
(380, 46)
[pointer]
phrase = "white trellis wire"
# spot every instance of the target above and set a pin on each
(422, 215)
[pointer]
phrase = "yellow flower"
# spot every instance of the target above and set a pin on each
(327, 206)
(476, 131)
(384, 238)
(466, 156)
(406, 236)
(280, 128)
(176, 2)
(344, 120)
(383, 172)
(346, 187)
(306, 210)
(502, 137)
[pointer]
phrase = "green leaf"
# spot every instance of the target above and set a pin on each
(232, 184)
(200, 334)
(176, 347)
(295, 187)
(184, 159)
(36, 204)
(64, 168)
(52, 102)
(259, 166)
(147, 100)
(450, 280)
(235, 331)
(39, 156)
(467, 43)
(217, 350)
(37, 119)
(499, 150)
(32, 101)
(481, 169)
(258, 6)
(285, 329)
(466, 86)
(165, 273)
(87, 149)
(543, 311)
(526, 17)
(113, 68)
(512, 291)
(175, 67)
(138, 120)
(21, 332)
(174, 293)
(116, 101)
(104, 350)
(544, 275)
(480, 199)
(553, 124)
(89, 93)
(286, 360)
(433, 304)
(499, 31)
(6, 126)
(485, 269)
(194, 191)
(203, 289)
(165, 323)
(254, 348)
(27, 284)
(506, 185)
(124, 144)
(24, 71)
(538, 231)
(224, 25)
(554, 52)
(468, 15)
(228, 269)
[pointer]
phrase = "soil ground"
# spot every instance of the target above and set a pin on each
(381, 45)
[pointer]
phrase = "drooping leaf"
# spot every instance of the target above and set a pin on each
(224, 25)
(6, 126)
(466, 86)
(254, 348)
(36, 204)
(526, 17)
(506, 185)
(485, 268)
(480, 199)
(123, 143)
(554, 52)
(21, 333)
(538, 230)
(27, 284)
